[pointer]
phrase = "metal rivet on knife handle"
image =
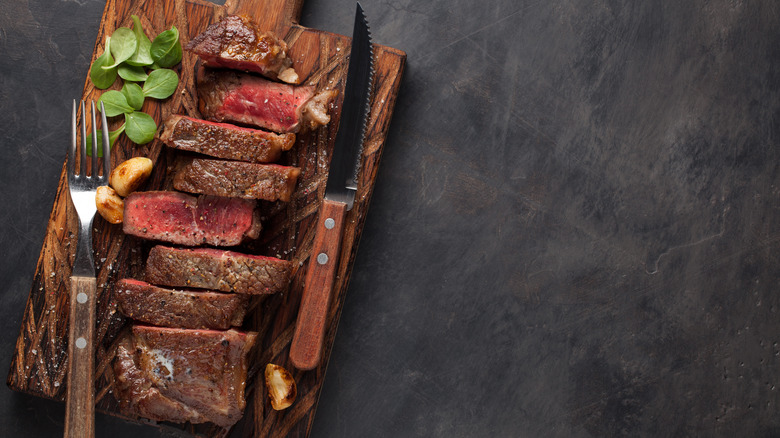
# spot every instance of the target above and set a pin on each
(322, 258)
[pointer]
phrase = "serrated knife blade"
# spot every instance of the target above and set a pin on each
(355, 110)
(306, 347)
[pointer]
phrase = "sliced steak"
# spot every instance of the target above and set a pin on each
(216, 269)
(186, 220)
(236, 42)
(270, 182)
(180, 375)
(231, 96)
(222, 140)
(179, 308)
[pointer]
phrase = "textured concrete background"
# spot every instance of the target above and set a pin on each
(574, 230)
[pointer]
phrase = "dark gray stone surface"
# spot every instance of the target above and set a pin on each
(574, 231)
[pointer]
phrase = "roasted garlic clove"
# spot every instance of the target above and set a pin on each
(128, 176)
(281, 386)
(109, 204)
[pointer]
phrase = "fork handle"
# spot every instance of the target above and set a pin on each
(80, 406)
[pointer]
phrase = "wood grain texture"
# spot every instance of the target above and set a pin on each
(80, 403)
(306, 347)
(39, 365)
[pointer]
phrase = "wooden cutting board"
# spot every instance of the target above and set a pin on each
(39, 365)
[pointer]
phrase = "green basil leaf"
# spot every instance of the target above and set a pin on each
(123, 46)
(115, 103)
(161, 83)
(134, 95)
(166, 48)
(142, 55)
(112, 136)
(131, 73)
(140, 127)
(103, 78)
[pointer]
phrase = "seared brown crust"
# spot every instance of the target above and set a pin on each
(236, 42)
(222, 140)
(214, 269)
(186, 220)
(231, 96)
(193, 309)
(270, 182)
(179, 375)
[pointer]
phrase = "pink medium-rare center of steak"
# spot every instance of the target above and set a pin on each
(277, 104)
(186, 220)
(180, 375)
(226, 95)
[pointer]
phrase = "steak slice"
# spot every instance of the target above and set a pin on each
(222, 140)
(236, 42)
(231, 96)
(216, 269)
(180, 375)
(270, 182)
(179, 308)
(186, 220)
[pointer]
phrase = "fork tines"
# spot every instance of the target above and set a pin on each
(106, 150)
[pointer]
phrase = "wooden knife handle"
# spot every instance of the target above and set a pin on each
(80, 406)
(317, 291)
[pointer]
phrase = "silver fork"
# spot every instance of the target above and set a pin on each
(80, 407)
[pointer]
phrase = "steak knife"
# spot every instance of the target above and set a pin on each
(339, 197)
